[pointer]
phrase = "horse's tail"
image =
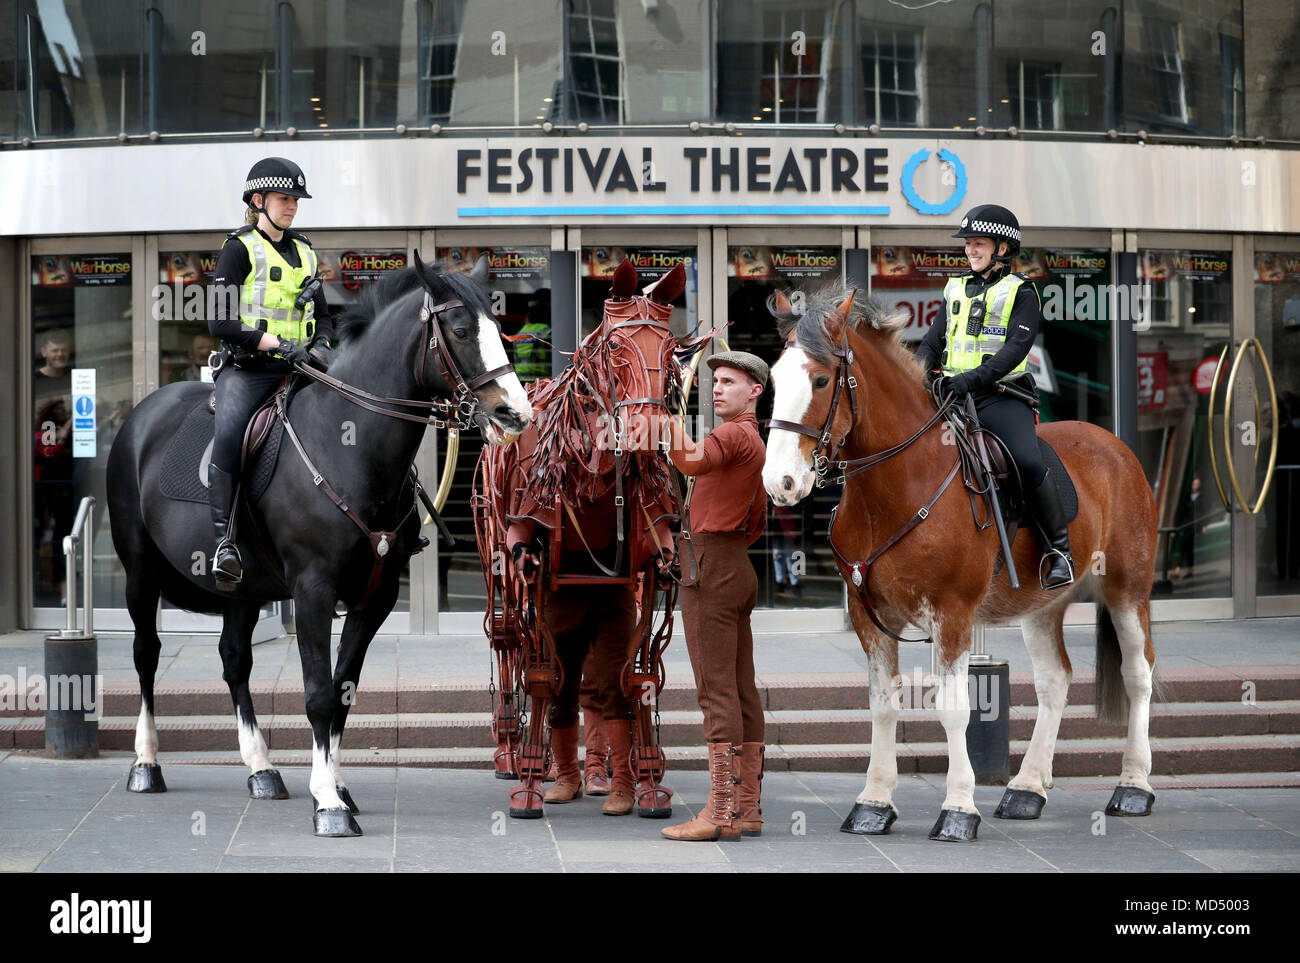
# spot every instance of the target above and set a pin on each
(1111, 697)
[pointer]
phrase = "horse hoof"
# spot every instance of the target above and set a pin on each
(955, 827)
(1130, 801)
(334, 823)
(867, 820)
(525, 803)
(146, 777)
(267, 784)
(347, 799)
(1019, 804)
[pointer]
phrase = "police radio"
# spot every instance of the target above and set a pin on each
(975, 320)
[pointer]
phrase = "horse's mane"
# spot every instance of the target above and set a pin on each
(867, 315)
(359, 317)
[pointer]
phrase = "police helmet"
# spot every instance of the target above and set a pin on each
(992, 220)
(277, 174)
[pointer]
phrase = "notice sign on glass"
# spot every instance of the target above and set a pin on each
(911, 279)
(352, 269)
(83, 412)
(1152, 380)
(651, 263)
(1192, 265)
(80, 270)
(504, 263)
(793, 264)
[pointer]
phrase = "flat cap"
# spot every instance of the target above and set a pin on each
(751, 364)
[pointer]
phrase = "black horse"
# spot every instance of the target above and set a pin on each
(417, 336)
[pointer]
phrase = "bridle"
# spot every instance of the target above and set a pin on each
(464, 405)
(825, 454)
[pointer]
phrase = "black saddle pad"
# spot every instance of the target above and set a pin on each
(185, 462)
(1064, 485)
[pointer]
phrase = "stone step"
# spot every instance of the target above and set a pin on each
(1180, 758)
(779, 692)
(845, 727)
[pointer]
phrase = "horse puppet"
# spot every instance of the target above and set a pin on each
(591, 478)
(850, 407)
(342, 531)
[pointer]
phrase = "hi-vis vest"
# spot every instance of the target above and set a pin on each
(965, 352)
(267, 304)
(532, 358)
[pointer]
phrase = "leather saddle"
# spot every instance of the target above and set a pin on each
(1010, 485)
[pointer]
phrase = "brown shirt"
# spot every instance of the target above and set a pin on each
(729, 494)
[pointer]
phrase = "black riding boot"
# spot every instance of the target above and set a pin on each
(1046, 505)
(227, 567)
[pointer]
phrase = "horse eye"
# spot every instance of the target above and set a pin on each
(461, 333)
(821, 381)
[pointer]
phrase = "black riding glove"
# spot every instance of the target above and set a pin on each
(959, 385)
(291, 352)
(321, 352)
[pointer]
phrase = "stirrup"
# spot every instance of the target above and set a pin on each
(1069, 563)
(219, 573)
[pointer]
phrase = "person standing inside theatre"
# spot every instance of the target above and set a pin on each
(726, 512)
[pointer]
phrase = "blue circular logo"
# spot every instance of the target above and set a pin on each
(84, 406)
(920, 204)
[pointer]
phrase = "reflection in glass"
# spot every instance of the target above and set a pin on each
(81, 321)
(781, 63)
(1277, 325)
(80, 68)
(522, 278)
(795, 567)
(1188, 292)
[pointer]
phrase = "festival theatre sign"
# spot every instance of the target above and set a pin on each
(663, 177)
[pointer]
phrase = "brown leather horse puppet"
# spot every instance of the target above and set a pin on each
(853, 399)
(593, 485)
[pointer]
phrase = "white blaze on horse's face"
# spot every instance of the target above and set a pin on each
(787, 472)
(492, 350)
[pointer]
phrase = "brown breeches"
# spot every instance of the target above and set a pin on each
(716, 612)
(596, 620)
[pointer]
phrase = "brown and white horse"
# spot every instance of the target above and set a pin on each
(857, 391)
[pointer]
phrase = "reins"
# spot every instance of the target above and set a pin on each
(465, 406)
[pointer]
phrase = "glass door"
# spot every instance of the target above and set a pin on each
(1276, 297)
(519, 289)
(794, 563)
(80, 388)
(1184, 325)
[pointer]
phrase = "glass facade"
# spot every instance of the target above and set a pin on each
(1213, 68)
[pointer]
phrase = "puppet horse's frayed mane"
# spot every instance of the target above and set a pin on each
(813, 324)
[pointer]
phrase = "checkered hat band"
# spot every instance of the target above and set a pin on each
(270, 184)
(993, 229)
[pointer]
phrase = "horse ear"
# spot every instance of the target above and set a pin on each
(669, 287)
(840, 316)
(422, 273)
(625, 280)
(480, 272)
(781, 304)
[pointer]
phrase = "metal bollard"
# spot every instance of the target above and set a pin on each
(988, 733)
(72, 697)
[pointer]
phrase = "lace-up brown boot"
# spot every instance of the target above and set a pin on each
(622, 790)
(751, 787)
(595, 778)
(568, 778)
(717, 819)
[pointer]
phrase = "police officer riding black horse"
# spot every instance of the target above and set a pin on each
(282, 317)
(992, 319)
